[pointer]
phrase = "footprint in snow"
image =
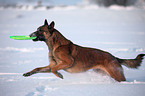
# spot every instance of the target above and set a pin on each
(40, 88)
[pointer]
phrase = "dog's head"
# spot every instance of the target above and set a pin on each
(43, 32)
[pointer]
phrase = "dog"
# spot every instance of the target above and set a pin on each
(65, 55)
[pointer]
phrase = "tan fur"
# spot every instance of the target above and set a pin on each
(65, 55)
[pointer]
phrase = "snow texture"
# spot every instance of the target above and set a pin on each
(118, 30)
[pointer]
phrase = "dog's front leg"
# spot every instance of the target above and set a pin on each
(65, 61)
(46, 69)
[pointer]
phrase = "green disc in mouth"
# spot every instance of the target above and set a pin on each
(22, 37)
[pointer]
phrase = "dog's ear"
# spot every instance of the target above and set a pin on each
(45, 22)
(52, 24)
(51, 27)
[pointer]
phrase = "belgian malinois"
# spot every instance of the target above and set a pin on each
(65, 55)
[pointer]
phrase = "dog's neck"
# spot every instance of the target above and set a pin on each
(56, 40)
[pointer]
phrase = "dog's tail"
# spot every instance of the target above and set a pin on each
(132, 63)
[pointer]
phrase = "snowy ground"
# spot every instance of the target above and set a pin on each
(117, 30)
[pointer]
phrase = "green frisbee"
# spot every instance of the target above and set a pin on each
(22, 37)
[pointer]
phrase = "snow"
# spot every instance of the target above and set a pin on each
(118, 30)
(21, 49)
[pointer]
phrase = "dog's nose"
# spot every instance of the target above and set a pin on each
(33, 34)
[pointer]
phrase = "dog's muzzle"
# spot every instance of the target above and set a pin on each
(40, 37)
(34, 35)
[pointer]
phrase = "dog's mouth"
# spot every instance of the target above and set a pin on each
(34, 35)
(38, 37)
(35, 39)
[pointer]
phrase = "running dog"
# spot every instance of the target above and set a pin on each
(65, 55)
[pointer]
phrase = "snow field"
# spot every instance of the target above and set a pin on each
(118, 30)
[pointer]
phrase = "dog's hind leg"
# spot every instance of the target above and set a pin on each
(114, 69)
(45, 69)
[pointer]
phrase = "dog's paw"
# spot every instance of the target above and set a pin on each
(26, 74)
(59, 75)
